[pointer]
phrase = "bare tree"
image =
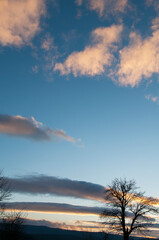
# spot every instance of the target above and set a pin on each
(128, 210)
(10, 222)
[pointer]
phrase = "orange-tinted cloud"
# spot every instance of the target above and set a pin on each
(96, 56)
(30, 128)
(20, 20)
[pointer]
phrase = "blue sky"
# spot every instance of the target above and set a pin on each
(79, 95)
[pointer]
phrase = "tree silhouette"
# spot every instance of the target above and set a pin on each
(12, 225)
(10, 222)
(128, 210)
(5, 192)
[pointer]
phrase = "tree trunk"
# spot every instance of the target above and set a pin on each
(126, 235)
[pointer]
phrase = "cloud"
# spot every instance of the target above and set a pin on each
(42, 184)
(74, 225)
(153, 3)
(152, 98)
(77, 226)
(43, 222)
(47, 43)
(140, 59)
(54, 208)
(30, 128)
(105, 7)
(95, 57)
(20, 20)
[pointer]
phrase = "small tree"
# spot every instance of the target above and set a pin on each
(10, 222)
(5, 192)
(128, 210)
(12, 225)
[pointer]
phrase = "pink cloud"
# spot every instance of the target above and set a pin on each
(20, 21)
(140, 59)
(95, 57)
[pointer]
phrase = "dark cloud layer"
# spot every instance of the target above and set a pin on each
(42, 184)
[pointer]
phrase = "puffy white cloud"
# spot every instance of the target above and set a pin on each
(140, 59)
(95, 57)
(20, 20)
(105, 7)
(30, 128)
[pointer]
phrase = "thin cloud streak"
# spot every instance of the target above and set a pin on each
(42, 184)
(30, 128)
(95, 57)
(54, 208)
(74, 225)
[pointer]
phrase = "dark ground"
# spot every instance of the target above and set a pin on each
(45, 233)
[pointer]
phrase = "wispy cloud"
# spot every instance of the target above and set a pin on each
(140, 59)
(95, 57)
(42, 184)
(20, 21)
(151, 98)
(48, 56)
(47, 43)
(105, 7)
(153, 3)
(30, 128)
(43, 222)
(71, 225)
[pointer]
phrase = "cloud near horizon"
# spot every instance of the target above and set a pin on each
(42, 184)
(73, 225)
(20, 21)
(30, 128)
(56, 208)
(140, 59)
(96, 56)
(105, 7)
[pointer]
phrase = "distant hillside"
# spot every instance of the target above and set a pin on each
(46, 233)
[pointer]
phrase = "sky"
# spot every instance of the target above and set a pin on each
(79, 104)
